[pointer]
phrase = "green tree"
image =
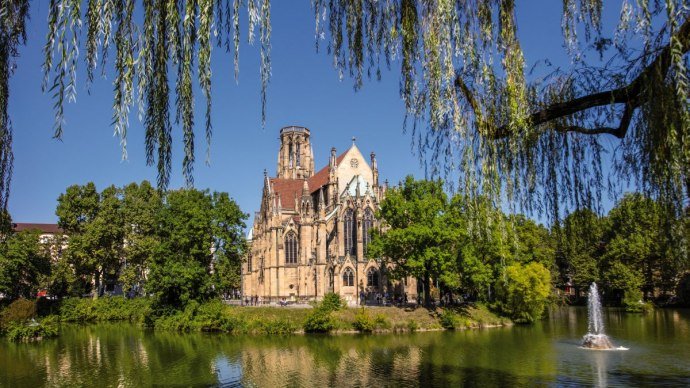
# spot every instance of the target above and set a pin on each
(95, 226)
(535, 138)
(23, 263)
(635, 239)
(191, 225)
(524, 290)
(141, 206)
(230, 244)
(415, 235)
(581, 242)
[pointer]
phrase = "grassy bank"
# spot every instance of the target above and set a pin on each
(215, 316)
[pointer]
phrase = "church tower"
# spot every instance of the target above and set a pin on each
(295, 160)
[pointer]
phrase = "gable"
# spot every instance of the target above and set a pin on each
(353, 164)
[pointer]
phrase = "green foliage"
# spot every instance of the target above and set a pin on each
(191, 222)
(18, 312)
(581, 248)
(332, 302)
(417, 240)
(524, 291)
(633, 303)
(48, 327)
(105, 309)
(412, 325)
(449, 319)
(319, 320)
(24, 262)
(363, 321)
(165, 245)
(382, 322)
(95, 225)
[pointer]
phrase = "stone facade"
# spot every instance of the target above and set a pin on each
(310, 235)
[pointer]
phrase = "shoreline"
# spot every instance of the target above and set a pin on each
(219, 317)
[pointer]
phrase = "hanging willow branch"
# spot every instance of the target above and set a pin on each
(537, 141)
(13, 17)
(176, 35)
(534, 140)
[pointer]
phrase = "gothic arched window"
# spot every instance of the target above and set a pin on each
(350, 233)
(366, 228)
(348, 277)
(372, 278)
(291, 248)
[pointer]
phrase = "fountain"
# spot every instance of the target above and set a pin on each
(595, 337)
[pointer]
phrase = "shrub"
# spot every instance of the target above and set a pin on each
(319, 320)
(382, 322)
(633, 303)
(21, 310)
(450, 320)
(332, 302)
(363, 321)
(104, 309)
(412, 325)
(524, 292)
(34, 331)
(209, 316)
(278, 326)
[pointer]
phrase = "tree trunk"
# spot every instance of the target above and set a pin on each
(96, 292)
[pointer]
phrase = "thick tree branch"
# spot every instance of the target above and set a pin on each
(631, 95)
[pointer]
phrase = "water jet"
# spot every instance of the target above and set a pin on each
(596, 338)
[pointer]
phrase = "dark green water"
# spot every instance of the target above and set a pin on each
(544, 354)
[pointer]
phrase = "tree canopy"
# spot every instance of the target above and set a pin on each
(181, 246)
(538, 141)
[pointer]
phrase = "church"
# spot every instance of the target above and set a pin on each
(311, 233)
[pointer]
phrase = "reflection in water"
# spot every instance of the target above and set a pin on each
(542, 354)
(600, 369)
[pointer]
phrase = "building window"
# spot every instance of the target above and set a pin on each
(291, 249)
(366, 228)
(373, 278)
(348, 277)
(249, 263)
(350, 233)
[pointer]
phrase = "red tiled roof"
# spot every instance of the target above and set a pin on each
(45, 228)
(289, 188)
(321, 177)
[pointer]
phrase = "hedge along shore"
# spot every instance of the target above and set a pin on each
(216, 316)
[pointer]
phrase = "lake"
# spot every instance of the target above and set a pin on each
(544, 354)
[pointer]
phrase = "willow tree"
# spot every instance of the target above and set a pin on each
(539, 143)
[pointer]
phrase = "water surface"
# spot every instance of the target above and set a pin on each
(545, 354)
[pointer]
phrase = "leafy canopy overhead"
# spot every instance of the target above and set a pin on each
(537, 142)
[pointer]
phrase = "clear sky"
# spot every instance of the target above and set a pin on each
(304, 90)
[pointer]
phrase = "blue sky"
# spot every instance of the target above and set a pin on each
(304, 90)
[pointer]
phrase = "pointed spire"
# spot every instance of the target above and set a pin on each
(353, 140)
(332, 161)
(280, 205)
(358, 191)
(267, 182)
